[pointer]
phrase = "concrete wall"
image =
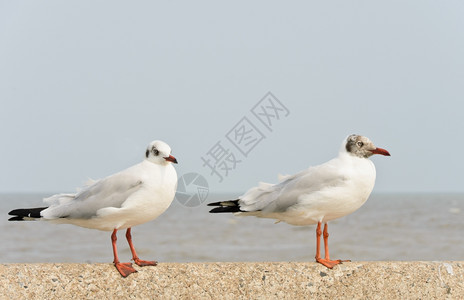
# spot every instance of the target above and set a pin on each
(360, 280)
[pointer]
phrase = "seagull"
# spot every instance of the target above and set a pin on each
(131, 197)
(316, 195)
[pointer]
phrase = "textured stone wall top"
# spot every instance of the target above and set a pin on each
(366, 280)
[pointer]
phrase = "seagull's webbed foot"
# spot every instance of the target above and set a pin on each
(135, 258)
(144, 263)
(125, 269)
(330, 263)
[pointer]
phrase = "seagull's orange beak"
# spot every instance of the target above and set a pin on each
(380, 151)
(171, 159)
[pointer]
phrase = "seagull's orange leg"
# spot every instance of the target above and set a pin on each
(135, 258)
(318, 241)
(326, 261)
(125, 269)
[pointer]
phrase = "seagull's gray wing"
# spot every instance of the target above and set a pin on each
(111, 191)
(270, 198)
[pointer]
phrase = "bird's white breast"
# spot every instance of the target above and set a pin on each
(154, 197)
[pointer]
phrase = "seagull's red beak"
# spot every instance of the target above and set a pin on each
(380, 151)
(171, 159)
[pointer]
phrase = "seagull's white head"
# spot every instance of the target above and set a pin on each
(159, 152)
(361, 146)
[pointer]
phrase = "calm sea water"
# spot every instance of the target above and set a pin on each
(387, 227)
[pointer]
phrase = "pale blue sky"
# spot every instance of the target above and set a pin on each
(86, 85)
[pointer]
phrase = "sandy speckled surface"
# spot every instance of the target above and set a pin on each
(366, 280)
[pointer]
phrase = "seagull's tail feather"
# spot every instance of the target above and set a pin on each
(231, 206)
(23, 214)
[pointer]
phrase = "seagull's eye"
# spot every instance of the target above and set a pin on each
(155, 152)
(360, 144)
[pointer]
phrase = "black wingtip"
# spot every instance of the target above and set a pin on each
(16, 219)
(225, 203)
(21, 213)
(230, 206)
(225, 209)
